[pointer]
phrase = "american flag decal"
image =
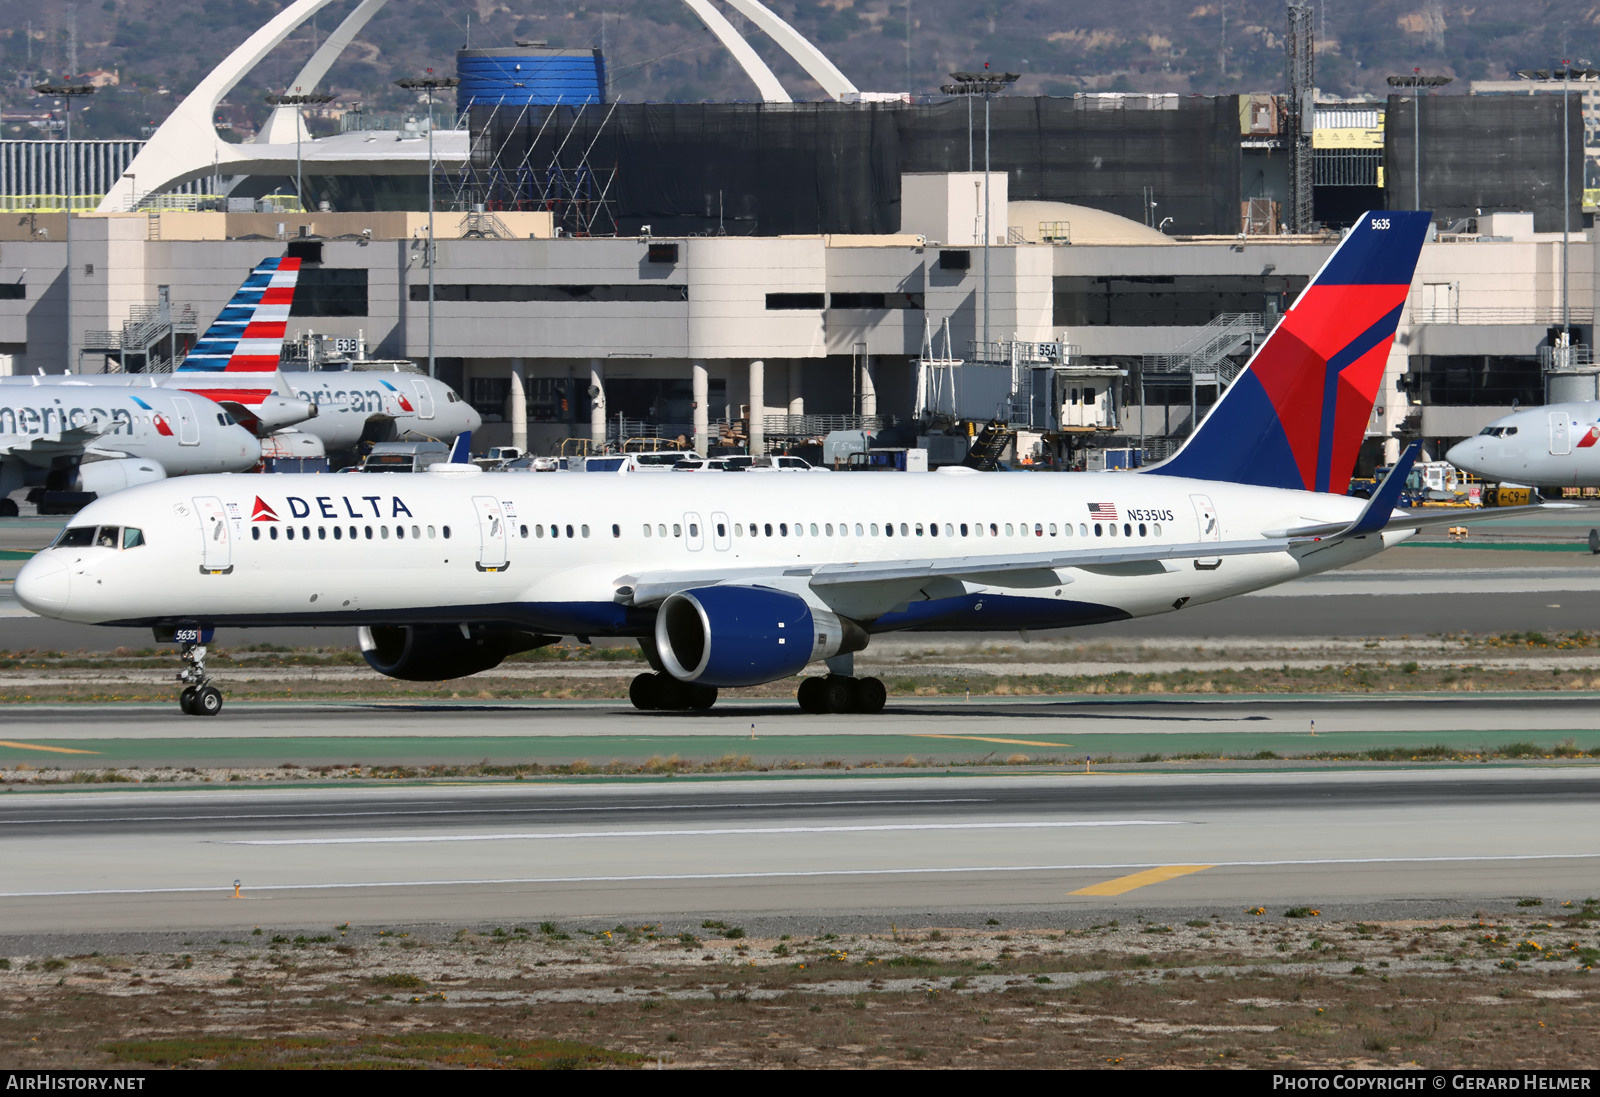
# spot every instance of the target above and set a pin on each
(1103, 512)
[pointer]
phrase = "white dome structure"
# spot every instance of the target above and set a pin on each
(187, 146)
(1082, 225)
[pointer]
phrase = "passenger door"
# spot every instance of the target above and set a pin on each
(1210, 529)
(721, 538)
(188, 424)
(216, 556)
(1560, 435)
(491, 533)
(424, 399)
(694, 534)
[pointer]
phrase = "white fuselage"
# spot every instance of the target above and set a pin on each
(561, 553)
(184, 433)
(418, 409)
(405, 407)
(1557, 445)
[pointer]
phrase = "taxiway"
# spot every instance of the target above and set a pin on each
(1341, 842)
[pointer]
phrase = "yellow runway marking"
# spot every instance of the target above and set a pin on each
(1140, 879)
(987, 739)
(36, 746)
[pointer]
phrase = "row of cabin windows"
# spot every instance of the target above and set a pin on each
(569, 531)
(382, 533)
(752, 529)
(908, 529)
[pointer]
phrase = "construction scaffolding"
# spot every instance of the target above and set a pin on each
(770, 169)
(508, 171)
(1302, 72)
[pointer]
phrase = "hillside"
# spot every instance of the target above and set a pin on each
(658, 50)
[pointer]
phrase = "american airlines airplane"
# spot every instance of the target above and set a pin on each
(239, 355)
(1545, 447)
(730, 581)
(84, 438)
(236, 364)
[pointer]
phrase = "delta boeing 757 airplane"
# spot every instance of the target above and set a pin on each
(730, 581)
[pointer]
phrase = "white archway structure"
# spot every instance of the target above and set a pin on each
(187, 146)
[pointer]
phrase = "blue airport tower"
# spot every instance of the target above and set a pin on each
(533, 73)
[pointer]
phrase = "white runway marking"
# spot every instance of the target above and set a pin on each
(702, 876)
(696, 833)
(275, 816)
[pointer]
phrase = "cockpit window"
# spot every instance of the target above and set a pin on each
(1498, 432)
(111, 537)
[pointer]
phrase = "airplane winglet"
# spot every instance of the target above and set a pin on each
(1381, 506)
(461, 452)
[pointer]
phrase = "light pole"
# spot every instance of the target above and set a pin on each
(298, 100)
(1416, 82)
(68, 92)
(430, 83)
(1565, 74)
(983, 83)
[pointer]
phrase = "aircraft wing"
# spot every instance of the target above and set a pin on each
(653, 587)
(42, 450)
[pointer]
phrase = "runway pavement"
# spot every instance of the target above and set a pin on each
(1345, 843)
(929, 732)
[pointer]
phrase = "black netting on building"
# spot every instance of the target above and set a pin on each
(768, 169)
(1489, 153)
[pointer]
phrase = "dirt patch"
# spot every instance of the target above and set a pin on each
(1240, 990)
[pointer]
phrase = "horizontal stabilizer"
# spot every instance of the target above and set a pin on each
(1401, 519)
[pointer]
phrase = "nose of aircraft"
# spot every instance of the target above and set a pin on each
(249, 444)
(473, 419)
(1462, 454)
(41, 585)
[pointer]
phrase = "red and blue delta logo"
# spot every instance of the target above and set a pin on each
(263, 512)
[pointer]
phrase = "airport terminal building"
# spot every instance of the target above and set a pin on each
(757, 274)
(711, 337)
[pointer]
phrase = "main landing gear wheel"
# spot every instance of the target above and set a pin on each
(9, 508)
(650, 692)
(839, 693)
(199, 696)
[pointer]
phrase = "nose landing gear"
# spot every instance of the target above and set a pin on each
(199, 696)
